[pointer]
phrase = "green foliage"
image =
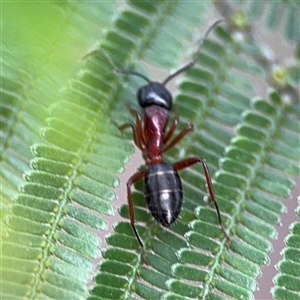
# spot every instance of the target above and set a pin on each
(61, 154)
(288, 280)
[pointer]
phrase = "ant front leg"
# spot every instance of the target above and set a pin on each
(134, 178)
(137, 129)
(190, 161)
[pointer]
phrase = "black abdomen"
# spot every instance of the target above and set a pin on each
(163, 193)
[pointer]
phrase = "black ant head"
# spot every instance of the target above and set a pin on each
(154, 93)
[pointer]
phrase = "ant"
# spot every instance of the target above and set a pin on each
(162, 184)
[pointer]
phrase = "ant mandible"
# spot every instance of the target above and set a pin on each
(162, 184)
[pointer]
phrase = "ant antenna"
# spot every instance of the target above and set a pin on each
(192, 63)
(124, 71)
(181, 70)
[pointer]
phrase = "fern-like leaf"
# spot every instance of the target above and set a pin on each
(288, 280)
(49, 240)
(252, 205)
(209, 111)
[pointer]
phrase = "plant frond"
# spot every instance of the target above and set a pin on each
(32, 74)
(288, 279)
(253, 206)
(50, 241)
(209, 111)
(41, 220)
(279, 14)
(161, 17)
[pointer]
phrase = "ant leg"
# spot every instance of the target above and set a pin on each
(136, 139)
(137, 129)
(171, 130)
(140, 135)
(134, 178)
(190, 161)
(189, 127)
